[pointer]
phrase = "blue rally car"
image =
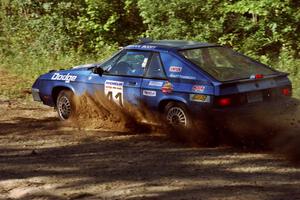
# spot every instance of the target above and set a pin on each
(181, 79)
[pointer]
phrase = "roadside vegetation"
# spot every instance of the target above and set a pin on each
(36, 36)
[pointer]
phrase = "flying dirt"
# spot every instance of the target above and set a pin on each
(261, 131)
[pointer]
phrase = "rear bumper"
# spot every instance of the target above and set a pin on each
(36, 94)
(271, 109)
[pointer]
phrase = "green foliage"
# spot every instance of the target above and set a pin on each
(114, 22)
(36, 28)
(255, 27)
(52, 27)
(265, 27)
(38, 35)
(288, 64)
(182, 19)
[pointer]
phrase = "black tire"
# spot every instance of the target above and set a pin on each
(177, 115)
(195, 130)
(65, 105)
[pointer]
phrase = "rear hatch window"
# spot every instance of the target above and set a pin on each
(225, 64)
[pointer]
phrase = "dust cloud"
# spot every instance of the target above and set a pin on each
(97, 112)
(277, 131)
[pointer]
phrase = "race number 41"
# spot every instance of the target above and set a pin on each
(114, 91)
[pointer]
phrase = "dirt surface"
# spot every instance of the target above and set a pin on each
(42, 158)
(12, 86)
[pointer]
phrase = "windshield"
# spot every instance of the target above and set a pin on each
(224, 64)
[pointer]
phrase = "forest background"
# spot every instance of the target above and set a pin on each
(39, 35)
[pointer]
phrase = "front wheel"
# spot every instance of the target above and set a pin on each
(65, 104)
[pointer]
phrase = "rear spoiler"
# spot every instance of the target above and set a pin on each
(244, 80)
(229, 87)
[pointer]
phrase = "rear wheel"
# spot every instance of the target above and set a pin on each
(65, 104)
(177, 115)
(195, 131)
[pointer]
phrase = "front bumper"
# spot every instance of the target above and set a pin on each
(36, 94)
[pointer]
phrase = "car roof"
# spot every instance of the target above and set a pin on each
(170, 44)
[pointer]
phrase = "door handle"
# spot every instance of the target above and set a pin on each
(132, 83)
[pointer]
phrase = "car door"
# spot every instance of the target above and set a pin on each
(123, 77)
(153, 81)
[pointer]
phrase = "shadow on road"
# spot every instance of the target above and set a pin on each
(83, 164)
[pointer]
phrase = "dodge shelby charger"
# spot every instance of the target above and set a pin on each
(181, 79)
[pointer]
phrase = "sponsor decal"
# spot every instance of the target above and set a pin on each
(156, 83)
(114, 91)
(175, 69)
(167, 87)
(67, 77)
(200, 98)
(182, 76)
(143, 46)
(148, 47)
(150, 93)
(144, 62)
(198, 88)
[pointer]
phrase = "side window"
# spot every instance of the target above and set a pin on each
(109, 63)
(131, 63)
(155, 69)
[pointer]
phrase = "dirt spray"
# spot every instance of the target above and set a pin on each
(278, 133)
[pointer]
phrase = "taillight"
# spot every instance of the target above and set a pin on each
(286, 91)
(224, 101)
(259, 76)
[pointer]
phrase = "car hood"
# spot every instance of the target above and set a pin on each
(78, 71)
(85, 66)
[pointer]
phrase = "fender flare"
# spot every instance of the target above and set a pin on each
(55, 91)
(164, 101)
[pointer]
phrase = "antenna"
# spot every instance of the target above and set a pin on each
(145, 40)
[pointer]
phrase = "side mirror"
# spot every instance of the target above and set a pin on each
(98, 70)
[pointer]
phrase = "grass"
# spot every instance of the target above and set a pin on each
(19, 72)
(12, 86)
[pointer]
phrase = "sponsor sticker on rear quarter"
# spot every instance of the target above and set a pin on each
(156, 83)
(150, 93)
(198, 88)
(200, 98)
(175, 69)
(182, 76)
(167, 88)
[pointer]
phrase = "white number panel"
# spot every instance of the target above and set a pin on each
(114, 91)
